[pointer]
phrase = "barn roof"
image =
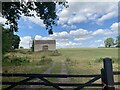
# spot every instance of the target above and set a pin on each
(44, 41)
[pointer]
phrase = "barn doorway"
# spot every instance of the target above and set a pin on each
(45, 48)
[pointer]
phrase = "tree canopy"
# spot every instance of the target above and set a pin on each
(15, 41)
(46, 11)
(9, 40)
(109, 42)
(6, 40)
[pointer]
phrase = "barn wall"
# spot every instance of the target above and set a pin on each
(38, 47)
(51, 47)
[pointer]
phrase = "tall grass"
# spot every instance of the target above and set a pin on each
(78, 61)
(45, 60)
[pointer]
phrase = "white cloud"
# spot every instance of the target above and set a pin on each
(98, 41)
(35, 20)
(76, 19)
(84, 11)
(68, 45)
(69, 26)
(25, 41)
(82, 39)
(60, 35)
(115, 26)
(73, 26)
(113, 30)
(80, 33)
(63, 34)
(107, 16)
(102, 45)
(102, 32)
(38, 37)
(2, 20)
(74, 38)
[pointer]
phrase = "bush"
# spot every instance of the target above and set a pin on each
(19, 60)
(45, 60)
(5, 59)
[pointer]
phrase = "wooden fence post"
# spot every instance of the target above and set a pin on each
(107, 74)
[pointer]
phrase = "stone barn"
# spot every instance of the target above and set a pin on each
(44, 45)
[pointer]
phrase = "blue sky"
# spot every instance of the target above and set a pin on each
(83, 24)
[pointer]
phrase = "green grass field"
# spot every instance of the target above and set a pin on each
(84, 60)
(77, 60)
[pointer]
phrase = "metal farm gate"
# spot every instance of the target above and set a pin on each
(106, 76)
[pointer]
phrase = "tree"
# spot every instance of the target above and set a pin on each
(12, 11)
(109, 42)
(9, 40)
(15, 41)
(118, 41)
(6, 40)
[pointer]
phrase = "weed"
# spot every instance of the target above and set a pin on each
(55, 53)
(68, 60)
(45, 60)
(99, 60)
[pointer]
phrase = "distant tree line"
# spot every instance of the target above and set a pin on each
(9, 40)
(109, 42)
